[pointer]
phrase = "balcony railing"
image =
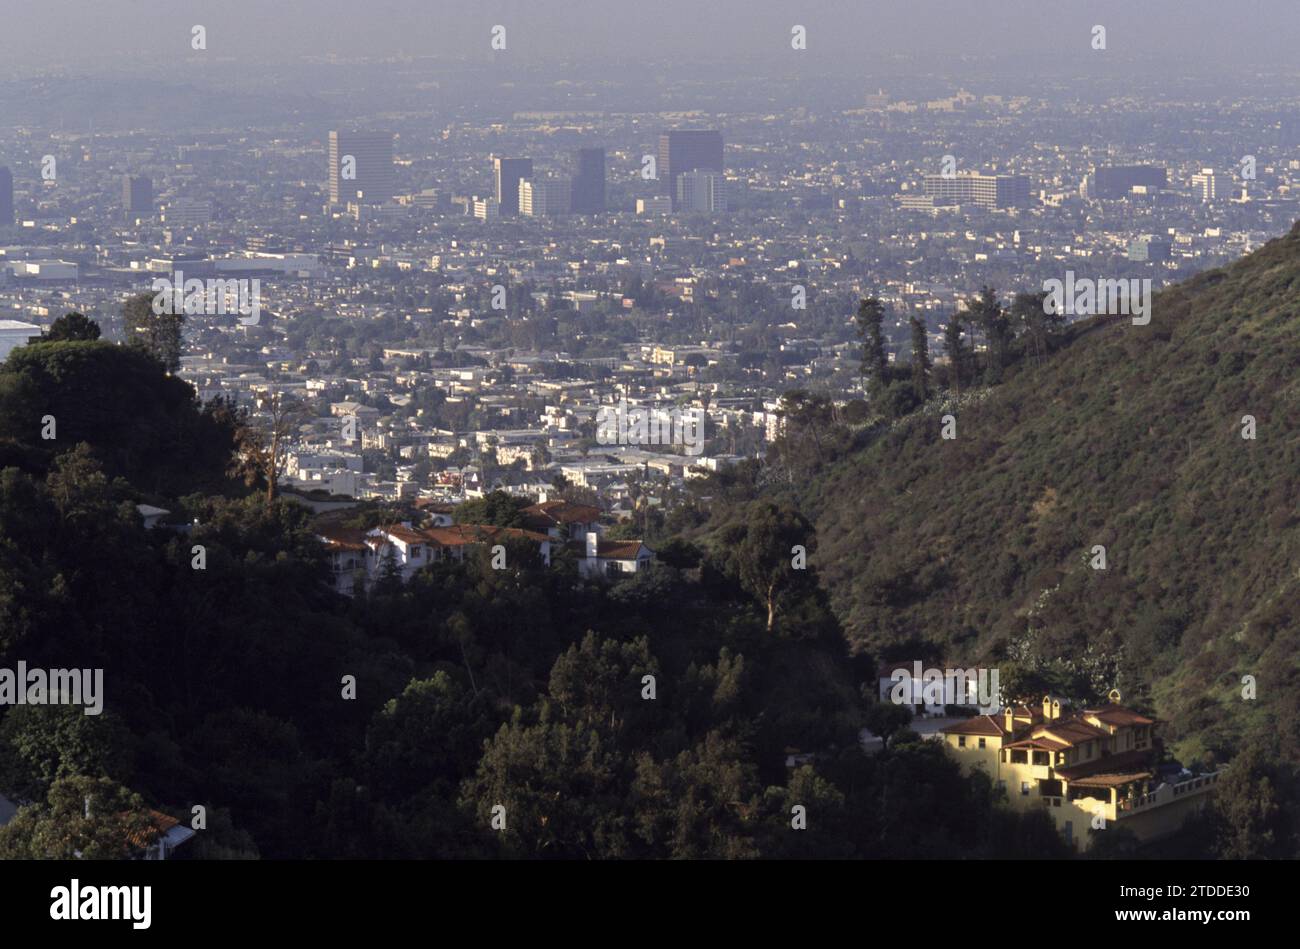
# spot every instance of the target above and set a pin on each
(1171, 792)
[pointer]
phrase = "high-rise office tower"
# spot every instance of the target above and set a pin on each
(188, 212)
(361, 167)
(137, 194)
(1116, 181)
(986, 191)
(687, 150)
(509, 172)
(6, 197)
(1209, 186)
(544, 197)
(702, 191)
(589, 182)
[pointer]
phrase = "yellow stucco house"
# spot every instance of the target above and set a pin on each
(1091, 769)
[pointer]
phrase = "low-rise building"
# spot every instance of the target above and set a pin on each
(1092, 769)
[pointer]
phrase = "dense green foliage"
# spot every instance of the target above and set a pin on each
(392, 724)
(981, 548)
(144, 425)
(522, 712)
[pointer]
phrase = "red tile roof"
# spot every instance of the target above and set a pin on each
(1118, 715)
(1126, 762)
(564, 512)
(161, 824)
(610, 549)
(343, 538)
(979, 725)
(458, 535)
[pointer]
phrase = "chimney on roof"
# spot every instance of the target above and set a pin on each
(1009, 719)
(593, 542)
(1051, 708)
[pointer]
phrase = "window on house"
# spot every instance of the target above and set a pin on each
(1024, 788)
(983, 743)
(961, 741)
(1019, 756)
(1041, 757)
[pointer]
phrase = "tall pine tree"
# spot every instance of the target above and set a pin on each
(871, 319)
(955, 351)
(920, 360)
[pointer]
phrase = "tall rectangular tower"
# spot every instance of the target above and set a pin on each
(509, 172)
(702, 191)
(589, 182)
(361, 167)
(6, 197)
(687, 150)
(137, 194)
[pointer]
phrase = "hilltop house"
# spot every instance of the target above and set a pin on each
(610, 558)
(1091, 769)
(170, 835)
(562, 520)
(360, 554)
(363, 554)
(160, 845)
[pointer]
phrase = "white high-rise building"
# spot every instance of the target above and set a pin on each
(543, 197)
(360, 167)
(188, 212)
(15, 333)
(658, 204)
(1208, 186)
(702, 191)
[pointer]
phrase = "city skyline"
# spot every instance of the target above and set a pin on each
(844, 435)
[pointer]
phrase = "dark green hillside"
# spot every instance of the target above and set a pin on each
(1129, 437)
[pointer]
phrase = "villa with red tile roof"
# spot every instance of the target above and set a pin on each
(360, 555)
(610, 558)
(563, 520)
(1092, 769)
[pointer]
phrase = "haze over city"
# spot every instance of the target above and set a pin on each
(649, 431)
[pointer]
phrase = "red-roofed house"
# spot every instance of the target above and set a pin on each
(612, 558)
(362, 555)
(1091, 769)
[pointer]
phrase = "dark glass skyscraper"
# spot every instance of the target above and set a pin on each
(589, 182)
(6, 197)
(687, 150)
(137, 194)
(509, 171)
(1116, 181)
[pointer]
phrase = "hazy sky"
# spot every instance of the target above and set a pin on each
(1196, 35)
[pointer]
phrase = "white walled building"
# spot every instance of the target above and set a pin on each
(543, 198)
(15, 333)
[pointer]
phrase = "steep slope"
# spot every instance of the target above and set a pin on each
(1129, 438)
